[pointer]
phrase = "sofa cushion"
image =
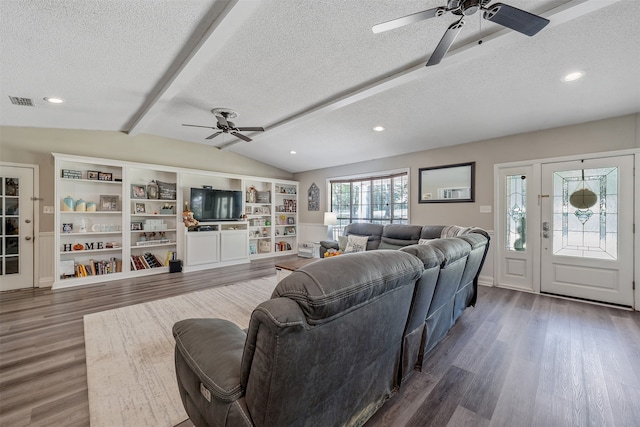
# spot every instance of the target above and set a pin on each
(453, 249)
(396, 236)
(431, 231)
(428, 254)
(453, 231)
(332, 286)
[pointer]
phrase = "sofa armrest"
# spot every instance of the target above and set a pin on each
(329, 244)
(212, 349)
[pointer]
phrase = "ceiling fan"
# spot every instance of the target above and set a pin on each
(503, 14)
(225, 126)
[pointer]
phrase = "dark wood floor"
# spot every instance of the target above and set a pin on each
(515, 360)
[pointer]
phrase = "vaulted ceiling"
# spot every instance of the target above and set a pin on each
(313, 73)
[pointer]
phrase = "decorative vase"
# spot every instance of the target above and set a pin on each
(68, 204)
(91, 207)
(152, 190)
(81, 205)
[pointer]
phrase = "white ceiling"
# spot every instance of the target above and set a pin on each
(313, 73)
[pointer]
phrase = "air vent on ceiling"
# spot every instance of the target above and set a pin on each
(27, 102)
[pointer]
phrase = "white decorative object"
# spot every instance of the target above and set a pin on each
(330, 219)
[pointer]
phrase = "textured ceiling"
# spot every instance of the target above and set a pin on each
(312, 72)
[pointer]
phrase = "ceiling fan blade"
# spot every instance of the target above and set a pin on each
(241, 136)
(445, 43)
(222, 120)
(409, 19)
(516, 19)
(213, 136)
(251, 129)
(200, 126)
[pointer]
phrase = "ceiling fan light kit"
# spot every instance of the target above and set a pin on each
(499, 13)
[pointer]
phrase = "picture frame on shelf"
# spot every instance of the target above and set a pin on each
(93, 175)
(136, 226)
(253, 249)
(108, 202)
(140, 208)
(105, 176)
(291, 220)
(138, 191)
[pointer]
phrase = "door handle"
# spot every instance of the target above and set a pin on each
(27, 238)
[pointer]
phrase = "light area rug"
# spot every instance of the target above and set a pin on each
(130, 352)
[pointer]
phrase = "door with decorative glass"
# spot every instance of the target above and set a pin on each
(587, 229)
(16, 227)
(516, 227)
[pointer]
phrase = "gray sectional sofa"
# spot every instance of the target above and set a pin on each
(337, 338)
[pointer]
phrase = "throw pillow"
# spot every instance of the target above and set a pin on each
(356, 243)
(342, 243)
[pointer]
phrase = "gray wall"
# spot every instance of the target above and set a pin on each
(35, 145)
(604, 135)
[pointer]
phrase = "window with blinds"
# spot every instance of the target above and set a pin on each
(376, 199)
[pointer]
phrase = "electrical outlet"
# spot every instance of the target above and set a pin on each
(485, 209)
(47, 209)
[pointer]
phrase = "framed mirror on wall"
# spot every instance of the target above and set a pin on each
(447, 184)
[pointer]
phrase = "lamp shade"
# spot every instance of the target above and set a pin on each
(330, 218)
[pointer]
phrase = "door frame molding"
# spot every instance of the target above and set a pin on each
(534, 228)
(36, 215)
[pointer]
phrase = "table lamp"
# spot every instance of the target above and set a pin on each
(330, 219)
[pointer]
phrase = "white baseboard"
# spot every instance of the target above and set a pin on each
(486, 281)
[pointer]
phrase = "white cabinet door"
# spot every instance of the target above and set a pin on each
(202, 248)
(233, 245)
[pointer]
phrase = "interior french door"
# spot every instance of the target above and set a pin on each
(16, 227)
(587, 229)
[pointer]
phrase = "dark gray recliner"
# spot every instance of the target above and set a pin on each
(439, 318)
(325, 350)
(467, 292)
(415, 334)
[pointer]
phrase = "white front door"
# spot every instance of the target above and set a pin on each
(16, 228)
(587, 229)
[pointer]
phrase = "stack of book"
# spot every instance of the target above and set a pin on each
(95, 268)
(145, 261)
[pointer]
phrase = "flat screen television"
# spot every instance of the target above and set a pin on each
(216, 205)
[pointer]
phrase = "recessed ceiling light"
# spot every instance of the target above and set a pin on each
(378, 128)
(54, 100)
(575, 75)
(292, 152)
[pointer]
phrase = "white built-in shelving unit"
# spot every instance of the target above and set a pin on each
(108, 226)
